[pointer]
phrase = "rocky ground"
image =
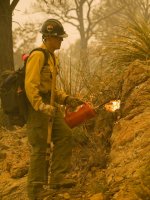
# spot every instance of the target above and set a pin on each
(113, 163)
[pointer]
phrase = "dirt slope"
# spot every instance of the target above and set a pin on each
(113, 164)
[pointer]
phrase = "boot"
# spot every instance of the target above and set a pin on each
(38, 193)
(43, 193)
(57, 183)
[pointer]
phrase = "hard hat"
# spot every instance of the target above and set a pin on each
(53, 27)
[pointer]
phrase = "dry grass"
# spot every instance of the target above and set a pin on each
(131, 42)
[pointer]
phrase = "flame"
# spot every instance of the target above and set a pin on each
(112, 106)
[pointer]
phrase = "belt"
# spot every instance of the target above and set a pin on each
(42, 94)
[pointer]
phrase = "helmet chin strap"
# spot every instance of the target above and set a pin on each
(44, 37)
(52, 52)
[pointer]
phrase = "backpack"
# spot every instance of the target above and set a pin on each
(14, 101)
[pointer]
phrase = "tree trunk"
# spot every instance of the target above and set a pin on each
(83, 50)
(6, 42)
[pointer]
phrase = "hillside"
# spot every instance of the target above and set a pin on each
(111, 163)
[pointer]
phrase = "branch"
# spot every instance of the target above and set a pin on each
(89, 20)
(76, 3)
(45, 2)
(17, 23)
(107, 16)
(13, 5)
(66, 13)
(82, 2)
(66, 19)
(77, 26)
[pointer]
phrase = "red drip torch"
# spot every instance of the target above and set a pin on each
(82, 114)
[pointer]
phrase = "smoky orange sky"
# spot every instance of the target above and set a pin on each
(20, 17)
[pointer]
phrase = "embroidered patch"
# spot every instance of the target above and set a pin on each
(49, 28)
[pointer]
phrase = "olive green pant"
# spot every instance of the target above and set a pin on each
(37, 129)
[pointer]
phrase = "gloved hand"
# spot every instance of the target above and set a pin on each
(47, 109)
(73, 101)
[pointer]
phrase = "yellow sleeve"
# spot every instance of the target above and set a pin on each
(32, 78)
(60, 97)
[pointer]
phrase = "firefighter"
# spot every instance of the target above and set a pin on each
(38, 81)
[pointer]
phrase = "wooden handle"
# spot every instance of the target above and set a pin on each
(50, 124)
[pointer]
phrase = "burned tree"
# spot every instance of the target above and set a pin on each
(6, 42)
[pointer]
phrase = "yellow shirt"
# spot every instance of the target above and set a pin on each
(38, 78)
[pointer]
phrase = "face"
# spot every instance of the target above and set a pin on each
(54, 43)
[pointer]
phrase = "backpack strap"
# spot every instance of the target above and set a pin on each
(45, 52)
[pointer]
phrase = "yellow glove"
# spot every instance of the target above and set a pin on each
(47, 109)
